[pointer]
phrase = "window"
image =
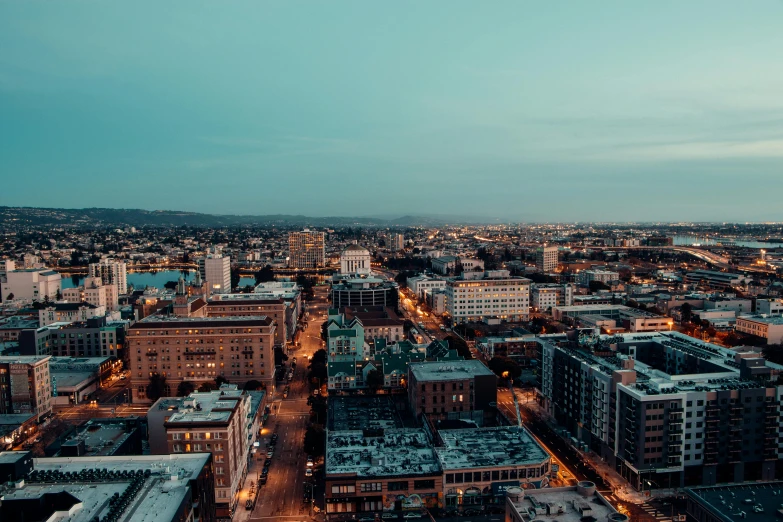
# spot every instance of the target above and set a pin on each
(371, 486)
(403, 485)
(423, 484)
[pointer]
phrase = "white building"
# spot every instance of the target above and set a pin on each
(111, 271)
(436, 300)
(548, 295)
(769, 306)
(397, 242)
(34, 284)
(69, 312)
(488, 296)
(355, 259)
(604, 276)
(93, 292)
(421, 283)
(216, 271)
(546, 258)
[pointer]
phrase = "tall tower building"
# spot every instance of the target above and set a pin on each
(398, 242)
(306, 249)
(111, 272)
(546, 258)
(215, 269)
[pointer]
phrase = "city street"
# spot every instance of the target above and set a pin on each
(282, 496)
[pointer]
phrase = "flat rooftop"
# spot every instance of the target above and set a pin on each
(489, 447)
(545, 505)
(448, 371)
(168, 321)
(362, 412)
(102, 438)
(214, 406)
(773, 320)
(23, 359)
(729, 502)
(158, 498)
(382, 453)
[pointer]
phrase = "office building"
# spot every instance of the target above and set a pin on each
(769, 327)
(217, 422)
(355, 259)
(358, 292)
(491, 296)
(111, 272)
(717, 280)
(585, 277)
(142, 488)
(32, 284)
(664, 407)
(548, 295)
(546, 258)
(421, 283)
(94, 337)
(456, 388)
(306, 249)
(397, 242)
(25, 385)
(215, 269)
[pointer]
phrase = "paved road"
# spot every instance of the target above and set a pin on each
(282, 496)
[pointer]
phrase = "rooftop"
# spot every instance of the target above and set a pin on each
(773, 320)
(440, 371)
(489, 447)
(545, 504)
(728, 503)
(158, 498)
(214, 406)
(23, 359)
(168, 321)
(362, 412)
(380, 453)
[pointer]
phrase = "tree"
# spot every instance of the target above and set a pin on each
(171, 285)
(598, 285)
(207, 386)
(254, 385)
(375, 380)
(324, 331)
(456, 343)
(315, 440)
(185, 388)
(317, 408)
(317, 372)
(220, 380)
(280, 356)
(235, 276)
(686, 312)
(10, 297)
(58, 295)
(773, 353)
(318, 357)
(504, 367)
(264, 275)
(156, 387)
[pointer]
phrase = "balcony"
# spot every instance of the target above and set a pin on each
(678, 409)
(673, 430)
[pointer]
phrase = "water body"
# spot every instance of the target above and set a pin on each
(140, 280)
(696, 240)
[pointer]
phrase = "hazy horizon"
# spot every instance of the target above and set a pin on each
(610, 112)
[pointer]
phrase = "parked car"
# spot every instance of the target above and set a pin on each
(265, 472)
(270, 453)
(267, 463)
(308, 472)
(412, 514)
(367, 518)
(390, 515)
(310, 461)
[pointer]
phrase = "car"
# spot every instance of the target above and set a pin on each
(367, 518)
(123, 377)
(309, 461)
(412, 514)
(265, 471)
(267, 463)
(316, 393)
(390, 515)
(471, 512)
(270, 453)
(308, 472)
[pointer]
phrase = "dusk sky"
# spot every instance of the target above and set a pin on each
(524, 111)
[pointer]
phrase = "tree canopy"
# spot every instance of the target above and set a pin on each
(185, 388)
(504, 367)
(265, 275)
(375, 380)
(315, 440)
(455, 343)
(156, 387)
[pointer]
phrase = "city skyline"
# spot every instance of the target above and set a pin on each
(613, 112)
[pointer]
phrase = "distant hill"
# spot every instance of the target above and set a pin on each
(15, 217)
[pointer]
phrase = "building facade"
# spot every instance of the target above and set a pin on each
(215, 269)
(111, 271)
(355, 259)
(25, 385)
(768, 327)
(488, 296)
(306, 249)
(548, 295)
(546, 258)
(439, 388)
(33, 284)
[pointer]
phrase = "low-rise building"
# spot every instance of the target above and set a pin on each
(612, 318)
(421, 283)
(479, 464)
(714, 279)
(436, 300)
(769, 306)
(75, 378)
(357, 292)
(69, 312)
(147, 488)
(456, 388)
(32, 284)
(730, 502)
(565, 504)
(585, 277)
(548, 295)
(768, 327)
(491, 296)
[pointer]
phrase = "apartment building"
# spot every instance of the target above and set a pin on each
(548, 295)
(306, 249)
(456, 388)
(25, 385)
(585, 277)
(421, 283)
(31, 284)
(665, 407)
(284, 313)
(93, 292)
(397, 242)
(546, 258)
(200, 349)
(95, 337)
(111, 272)
(215, 269)
(216, 422)
(491, 296)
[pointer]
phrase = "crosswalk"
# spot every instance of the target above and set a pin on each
(656, 514)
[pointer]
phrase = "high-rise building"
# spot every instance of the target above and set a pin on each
(215, 269)
(355, 260)
(546, 258)
(306, 249)
(111, 271)
(25, 385)
(398, 242)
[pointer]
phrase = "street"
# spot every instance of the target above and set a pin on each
(282, 496)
